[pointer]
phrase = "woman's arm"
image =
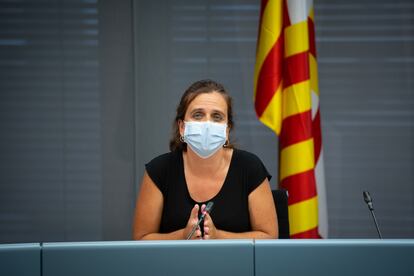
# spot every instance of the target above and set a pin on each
(148, 212)
(263, 218)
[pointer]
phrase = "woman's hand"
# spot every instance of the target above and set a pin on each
(210, 231)
(190, 224)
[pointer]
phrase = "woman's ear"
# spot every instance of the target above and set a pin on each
(228, 132)
(181, 127)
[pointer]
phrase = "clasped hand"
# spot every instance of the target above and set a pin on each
(210, 231)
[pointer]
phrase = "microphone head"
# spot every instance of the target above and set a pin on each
(209, 206)
(368, 200)
(367, 197)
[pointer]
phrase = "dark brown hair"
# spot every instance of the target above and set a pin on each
(197, 88)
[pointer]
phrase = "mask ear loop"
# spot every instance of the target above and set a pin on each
(181, 136)
(226, 144)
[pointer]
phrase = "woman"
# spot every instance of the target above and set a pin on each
(202, 167)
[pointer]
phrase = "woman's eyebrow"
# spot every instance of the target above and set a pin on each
(197, 110)
(202, 110)
(218, 111)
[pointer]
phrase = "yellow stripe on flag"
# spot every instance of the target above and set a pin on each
(272, 115)
(297, 158)
(296, 99)
(296, 39)
(303, 215)
(270, 31)
(313, 74)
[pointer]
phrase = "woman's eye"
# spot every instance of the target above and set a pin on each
(217, 117)
(197, 115)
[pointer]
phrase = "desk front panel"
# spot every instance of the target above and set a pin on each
(20, 259)
(334, 257)
(196, 258)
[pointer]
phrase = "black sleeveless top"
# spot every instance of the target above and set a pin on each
(230, 211)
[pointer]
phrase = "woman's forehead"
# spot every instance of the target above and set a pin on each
(213, 100)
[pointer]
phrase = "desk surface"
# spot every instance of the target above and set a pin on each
(215, 257)
(20, 259)
(142, 258)
(334, 257)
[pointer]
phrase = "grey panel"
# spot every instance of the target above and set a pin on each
(118, 140)
(365, 54)
(334, 257)
(20, 259)
(149, 258)
(50, 126)
(66, 120)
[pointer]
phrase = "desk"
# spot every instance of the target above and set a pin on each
(20, 259)
(334, 257)
(198, 258)
(212, 258)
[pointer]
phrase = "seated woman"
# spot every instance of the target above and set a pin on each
(203, 166)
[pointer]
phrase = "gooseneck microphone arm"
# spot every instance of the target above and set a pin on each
(368, 201)
(207, 210)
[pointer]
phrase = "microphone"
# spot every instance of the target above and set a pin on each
(208, 209)
(368, 201)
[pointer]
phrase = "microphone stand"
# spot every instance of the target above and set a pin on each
(368, 200)
(376, 224)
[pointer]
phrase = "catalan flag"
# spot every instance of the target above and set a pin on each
(286, 98)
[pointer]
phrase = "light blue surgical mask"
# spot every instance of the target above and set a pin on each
(205, 138)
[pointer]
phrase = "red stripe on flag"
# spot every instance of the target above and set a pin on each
(286, 19)
(311, 32)
(296, 128)
(310, 234)
(317, 135)
(301, 186)
(296, 69)
(269, 78)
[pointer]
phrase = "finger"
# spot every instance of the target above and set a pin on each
(207, 220)
(198, 232)
(206, 230)
(206, 237)
(203, 208)
(194, 213)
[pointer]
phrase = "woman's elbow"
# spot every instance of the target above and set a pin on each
(273, 234)
(137, 236)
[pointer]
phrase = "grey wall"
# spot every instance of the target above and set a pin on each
(66, 121)
(88, 91)
(50, 114)
(367, 101)
(118, 119)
